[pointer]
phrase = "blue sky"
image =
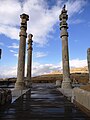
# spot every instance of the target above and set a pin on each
(44, 25)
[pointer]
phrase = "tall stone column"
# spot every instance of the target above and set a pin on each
(66, 83)
(29, 60)
(88, 60)
(0, 53)
(21, 58)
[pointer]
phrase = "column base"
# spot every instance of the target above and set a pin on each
(58, 83)
(28, 83)
(20, 85)
(66, 85)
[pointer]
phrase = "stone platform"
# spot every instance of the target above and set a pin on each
(43, 102)
(17, 93)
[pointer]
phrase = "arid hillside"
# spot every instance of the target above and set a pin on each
(76, 77)
(73, 70)
(79, 75)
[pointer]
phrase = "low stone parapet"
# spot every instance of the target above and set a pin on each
(82, 99)
(16, 93)
(5, 96)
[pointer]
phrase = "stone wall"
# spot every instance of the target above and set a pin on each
(82, 98)
(5, 96)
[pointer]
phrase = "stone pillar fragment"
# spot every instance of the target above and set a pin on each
(29, 60)
(66, 83)
(0, 53)
(88, 60)
(21, 58)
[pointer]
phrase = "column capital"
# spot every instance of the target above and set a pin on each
(30, 36)
(25, 17)
(63, 14)
(63, 17)
(30, 39)
(30, 42)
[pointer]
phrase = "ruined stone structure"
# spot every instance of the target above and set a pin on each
(29, 60)
(66, 83)
(88, 60)
(21, 58)
(0, 53)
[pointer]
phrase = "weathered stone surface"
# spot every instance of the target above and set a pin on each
(0, 53)
(21, 58)
(5, 96)
(66, 83)
(42, 102)
(82, 97)
(58, 83)
(16, 93)
(88, 60)
(29, 60)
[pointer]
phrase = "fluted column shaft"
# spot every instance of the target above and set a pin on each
(21, 57)
(29, 60)
(65, 52)
(0, 53)
(88, 60)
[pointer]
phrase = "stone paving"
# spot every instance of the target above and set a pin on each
(42, 102)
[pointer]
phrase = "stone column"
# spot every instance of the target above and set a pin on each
(29, 60)
(88, 60)
(0, 53)
(66, 83)
(21, 58)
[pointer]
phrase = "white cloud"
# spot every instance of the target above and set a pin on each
(39, 69)
(78, 63)
(77, 21)
(14, 53)
(42, 19)
(81, 11)
(10, 11)
(75, 6)
(6, 72)
(14, 45)
(40, 54)
(10, 31)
